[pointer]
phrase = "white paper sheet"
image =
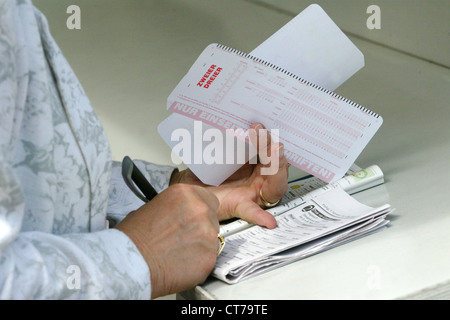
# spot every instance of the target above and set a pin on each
(322, 132)
(311, 46)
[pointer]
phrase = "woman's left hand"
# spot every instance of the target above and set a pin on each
(248, 190)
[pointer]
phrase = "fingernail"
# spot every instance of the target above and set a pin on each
(281, 151)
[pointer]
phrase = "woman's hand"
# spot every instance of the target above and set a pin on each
(239, 195)
(176, 234)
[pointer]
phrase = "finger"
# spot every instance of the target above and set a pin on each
(252, 213)
(261, 140)
(275, 185)
(255, 129)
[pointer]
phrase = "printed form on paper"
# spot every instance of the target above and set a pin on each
(322, 132)
(310, 46)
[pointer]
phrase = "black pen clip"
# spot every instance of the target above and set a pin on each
(135, 180)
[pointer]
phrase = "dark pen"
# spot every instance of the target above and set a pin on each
(136, 180)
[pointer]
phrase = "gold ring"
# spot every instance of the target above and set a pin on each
(267, 203)
(222, 244)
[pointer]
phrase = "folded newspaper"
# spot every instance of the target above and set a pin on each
(329, 218)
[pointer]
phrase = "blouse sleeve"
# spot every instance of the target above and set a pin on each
(53, 242)
(122, 200)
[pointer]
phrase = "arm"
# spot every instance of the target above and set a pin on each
(122, 200)
(45, 190)
(240, 194)
(41, 265)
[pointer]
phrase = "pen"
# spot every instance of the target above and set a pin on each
(135, 180)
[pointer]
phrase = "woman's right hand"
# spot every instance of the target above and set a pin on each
(176, 233)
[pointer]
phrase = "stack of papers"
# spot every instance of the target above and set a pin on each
(323, 222)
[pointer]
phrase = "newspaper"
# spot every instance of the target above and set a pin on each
(317, 224)
(299, 190)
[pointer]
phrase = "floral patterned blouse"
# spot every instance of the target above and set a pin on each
(58, 183)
